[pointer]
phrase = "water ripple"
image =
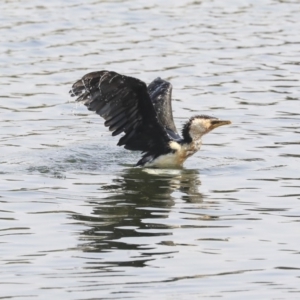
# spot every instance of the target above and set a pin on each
(79, 220)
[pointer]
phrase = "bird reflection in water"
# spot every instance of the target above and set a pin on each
(136, 196)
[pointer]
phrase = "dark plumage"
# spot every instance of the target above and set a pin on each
(143, 114)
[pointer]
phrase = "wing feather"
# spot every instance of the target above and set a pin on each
(160, 92)
(125, 104)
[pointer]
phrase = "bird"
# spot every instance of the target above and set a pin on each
(144, 115)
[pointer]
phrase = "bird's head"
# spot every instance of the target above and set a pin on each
(197, 126)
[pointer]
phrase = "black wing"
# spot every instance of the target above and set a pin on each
(160, 92)
(125, 104)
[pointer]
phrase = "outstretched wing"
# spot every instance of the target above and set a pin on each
(125, 105)
(160, 92)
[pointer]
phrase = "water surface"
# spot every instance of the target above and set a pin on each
(78, 221)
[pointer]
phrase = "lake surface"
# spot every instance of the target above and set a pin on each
(78, 221)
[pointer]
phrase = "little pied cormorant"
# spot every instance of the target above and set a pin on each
(144, 114)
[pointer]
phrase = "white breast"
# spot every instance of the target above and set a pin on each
(177, 158)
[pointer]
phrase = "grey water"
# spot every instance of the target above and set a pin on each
(78, 221)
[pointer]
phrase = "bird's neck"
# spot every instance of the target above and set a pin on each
(193, 139)
(192, 146)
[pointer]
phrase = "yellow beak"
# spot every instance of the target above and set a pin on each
(217, 123)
